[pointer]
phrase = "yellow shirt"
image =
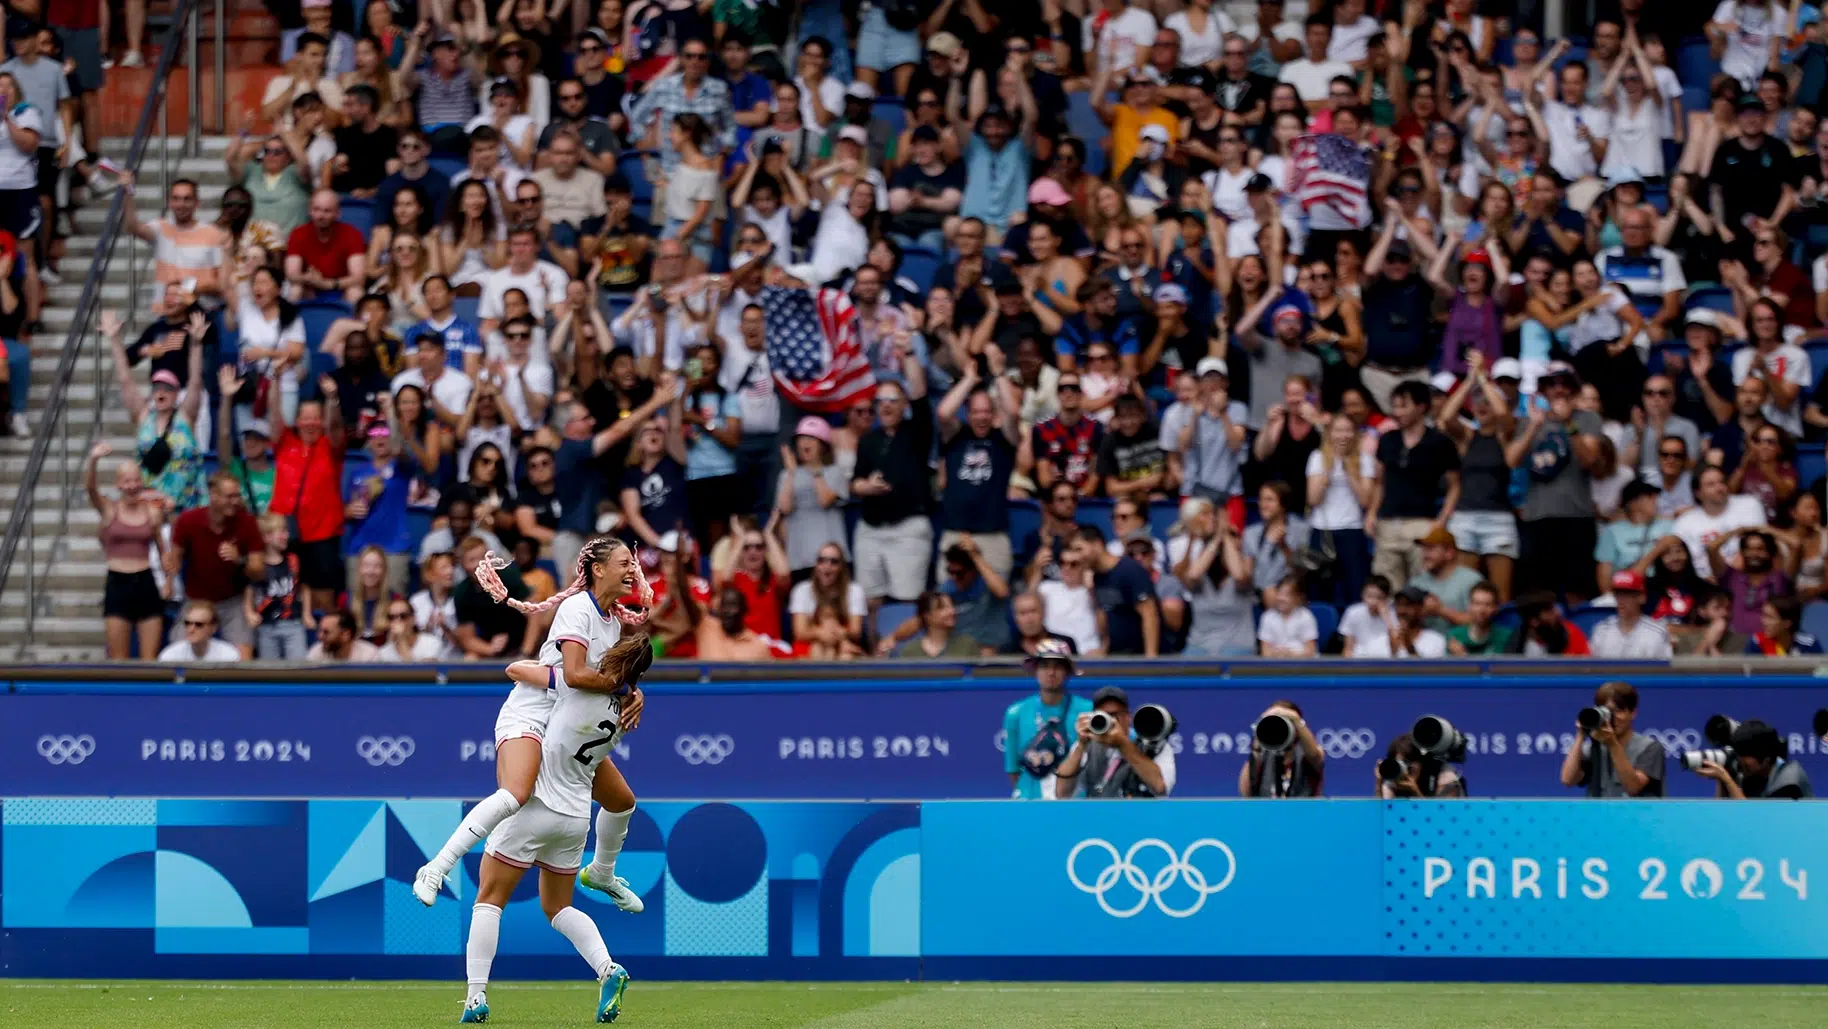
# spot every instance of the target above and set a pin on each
(1126, 132)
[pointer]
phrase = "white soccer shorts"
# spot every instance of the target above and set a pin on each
(537, 836)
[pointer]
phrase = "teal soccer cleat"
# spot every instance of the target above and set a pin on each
(620, 893)
(477, 1010)
(609, 995)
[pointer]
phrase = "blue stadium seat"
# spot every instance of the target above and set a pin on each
(1695, 65)
(1577, 51)
(1162, 516)
(1024, 518)
(1326, 619)
(1508, 618)
(1815, 619)
(318, 315)
(1097, 512)
(1588, 617)
(446, 165)
(890, 615)
(891, 111)
(360, 213)
(466, 307)
(1083, 122)
(1811, 464)
(919, 265)
(1657, 195)
(1714, 298)
(1818, 358)
(632, 164)
(1647, 306)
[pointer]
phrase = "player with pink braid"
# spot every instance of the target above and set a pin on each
(591, 614)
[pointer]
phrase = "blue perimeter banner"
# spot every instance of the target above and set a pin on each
(858, 741)
(1580, 890)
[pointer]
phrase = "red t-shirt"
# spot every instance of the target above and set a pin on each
(73, 14)
(318, 506)
(206, 575)
(687, 645)
(330, 257)
(765, 605)
(1794, 283)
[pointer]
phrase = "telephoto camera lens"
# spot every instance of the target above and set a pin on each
(1101, 722)
(1692, 760)
(1719, 730)
(1439, 739)
(1821, 722)
(1275, 732)
(1152, 723)
(1392, 769)
(1591, 718)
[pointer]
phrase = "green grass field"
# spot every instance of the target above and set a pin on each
(413, 1005)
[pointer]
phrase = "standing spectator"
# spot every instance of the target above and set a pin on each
(308, 73)
(1341, 483)
(185, 250)
(653, 486)
(979, 455)
(133, 602)
(691, 89)
(375, 512)
(1130, 460)
(1417, 488)
(1125, 593)
(44, 86)
(811, 492)
(894, 536)
(276, 603)
(1483, 524)
(279, 180)
(1065, 448)
(1558, 449)
(363, 144)
(1271, 545)
(1210, 439)
(165, 422)
(1756, 581)
(541, 282)
(1750, 178)
(405, 643)
(217, 548)
(1038, 730)
(1398, 312)
(1210, 565)
(760, 572)
(196, 641)
(997, 156)
(1291, 434)
(1579, 133)
(307, 487)
(340, 642)
(326, 255)
(1629, 635)
(445, 95)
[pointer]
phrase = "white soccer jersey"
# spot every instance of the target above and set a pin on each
(580, 620)
(579, 734)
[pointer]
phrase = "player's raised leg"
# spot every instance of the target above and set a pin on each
(517, 764)
(576, 926)
(616, 807)
(498, 880)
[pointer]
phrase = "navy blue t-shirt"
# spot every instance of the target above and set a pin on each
(580, 486)
(976, 497)
(1118, 592)
(661, 493)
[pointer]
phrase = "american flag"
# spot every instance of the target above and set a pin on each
(815, 349)
(1331, 170)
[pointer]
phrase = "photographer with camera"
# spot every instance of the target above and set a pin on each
(1753, 765)
(1609, 759)
(1119, 755)
(1407, 772)
(1285, 758)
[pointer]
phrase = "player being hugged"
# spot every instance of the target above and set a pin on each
(550, 830)
(589, 622)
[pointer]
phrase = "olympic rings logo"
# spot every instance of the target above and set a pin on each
(1350, 743)
(1179, 868)
(385, 750)
(704, 750)
(66, 750)
(1674, 740)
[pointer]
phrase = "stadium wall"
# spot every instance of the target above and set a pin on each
(899, 731)
(1682, 891)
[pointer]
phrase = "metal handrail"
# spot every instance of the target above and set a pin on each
(55, 427)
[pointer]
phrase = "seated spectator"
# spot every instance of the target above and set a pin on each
(434, 608)
(578, 117)
(368, 594)
(363, 144)
(309, 70)
(447, 390)
(405, 643)
(1765, 474)
(1371, 616)
(542, 282)
(1477, 635)
(1287, 628)
(487, 630)
(1409, 637)
(938, 632)
(1716, 517)
(279, 180)
(979, 593)
(460, 523)
(726, 636)
(1210, 567)
(1782, 365)
(1630, 634)
(1755, 580)
(1727, 446)
(829, 586)
(1131, 534)
(573, 192)
(1272, 545)
(472, 242)
(339, 641)
(1447, 581)
(411, 168)
(1780, 631)
(1544, 632)
(196, 642)
(327, 255)
(516, 132)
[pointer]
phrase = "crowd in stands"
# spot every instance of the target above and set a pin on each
(943, 328)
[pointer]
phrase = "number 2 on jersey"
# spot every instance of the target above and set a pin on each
(583, 754)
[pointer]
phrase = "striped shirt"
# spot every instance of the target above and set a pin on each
(667, 98)
(445, 101)
(193, 253)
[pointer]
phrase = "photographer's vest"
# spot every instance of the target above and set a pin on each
(1105, 775)
(1787, 774)
(1268, 780)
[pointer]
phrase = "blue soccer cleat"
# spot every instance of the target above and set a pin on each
(477, 1010)
(621, 894)
(609, 994)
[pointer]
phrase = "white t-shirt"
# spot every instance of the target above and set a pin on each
(1311, 78)
(1121, 36)
(802, 601)
(1201, 48)
(18, 169)
(1428, 643)
(1648, 640)
(218, 650)
(1788, 362)
(1286, 634)
(1227, 189)
(257, 330)
(1636, 139)
(580, 620)
(1696, 528)
(1570, 157)
(1349, 40)
(1072, 612)
(1339, 507)
(533, 378)
(1748, 44)
(1358, 624)
(1286, 31)
(518, 129)
(544, 284)
(452, 390)
(831, 98)
(425, 648)
(1669, 89)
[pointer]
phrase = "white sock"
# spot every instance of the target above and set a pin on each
(485, 930)
(475, 827)
(582, 932)
(612, 829)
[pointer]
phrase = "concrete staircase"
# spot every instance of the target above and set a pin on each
(69, 621)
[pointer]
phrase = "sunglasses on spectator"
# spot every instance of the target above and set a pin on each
(1068, 387)
(399, 616)
(571, 96)
(1767, 440)
(273, 151)
(1673, 455)
(1659, 391)
(192, 623)
(695, 55)
(519, 335)
(588, 48)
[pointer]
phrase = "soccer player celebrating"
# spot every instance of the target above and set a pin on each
(549, 831)
(588, 625)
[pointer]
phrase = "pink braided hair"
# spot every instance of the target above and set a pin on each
(488, 577)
